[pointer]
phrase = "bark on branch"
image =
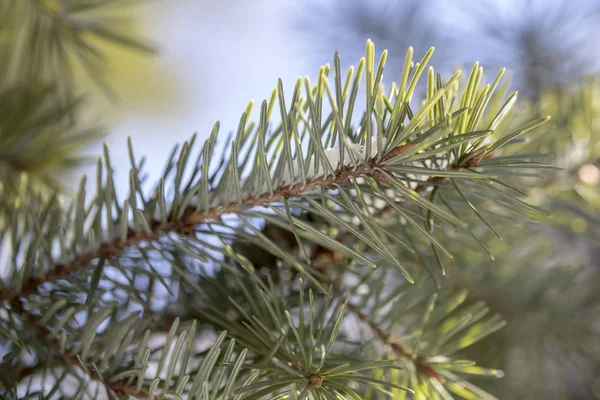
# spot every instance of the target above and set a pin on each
(120, 387)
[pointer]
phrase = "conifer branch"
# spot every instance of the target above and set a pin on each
(120, 387)
(193, 217)
(322, 256)
(357, 179)
(399, 348)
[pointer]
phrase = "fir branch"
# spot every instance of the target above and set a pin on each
(40, 137)
(120, 387)
(405, 144)
(399, 348)
(193, 217)
(325, 256)
(424, 149)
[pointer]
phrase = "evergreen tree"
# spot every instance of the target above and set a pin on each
(335, 250)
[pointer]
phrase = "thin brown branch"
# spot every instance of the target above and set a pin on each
(120, 387)
(326, 257)
(193, 217)
(21, 373)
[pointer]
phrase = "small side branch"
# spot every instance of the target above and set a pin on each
(120, 387)
(325, 256)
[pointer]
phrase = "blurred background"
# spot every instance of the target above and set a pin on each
(213, 57)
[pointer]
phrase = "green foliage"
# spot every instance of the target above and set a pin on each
(336, 250)
(42, 43)
(545, 280)
(55, 33)
(359, 206)
(38, 139)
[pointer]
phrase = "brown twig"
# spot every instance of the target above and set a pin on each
(120, 387)
(322, 258)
